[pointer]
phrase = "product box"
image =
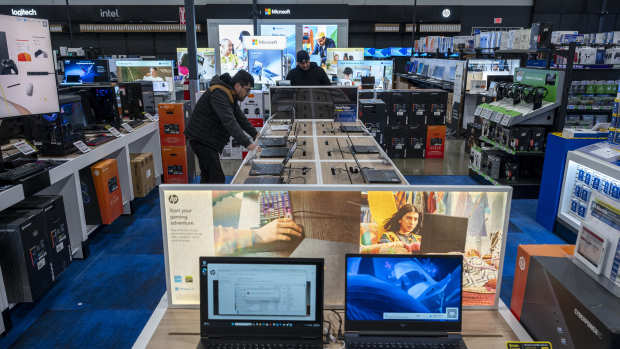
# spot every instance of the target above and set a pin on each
(435, 142)
(399, 108)
(172, 123)
(612, 55)
(416, 143)
(142, 174)
(252, 105)
(174, 161)
(396, 141)
(56, 231)
(108, 189)
(25, 257)
(537, 140)
(587, 55)
(475, 157)
(92, 213)
(520, 138)
(524, 254)
(565, 306)
(373, 111)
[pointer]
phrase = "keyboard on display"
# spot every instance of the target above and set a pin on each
(98, 140)
(22, 171)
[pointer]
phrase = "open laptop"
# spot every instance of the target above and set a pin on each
(275, 152)
(443, 234)
(373, 176)
(267, 302)
(364, 149)
(406, 301)
(352, 129)
(273, 141)
(262, 169)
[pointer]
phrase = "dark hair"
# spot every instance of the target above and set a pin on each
(302, 56)
(347, 71)
(242, 34)
(242, 77)
(391, 224)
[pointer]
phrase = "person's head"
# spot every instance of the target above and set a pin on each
(242, 34)
(303, 60)
(227, 47)
(153, 72)
(404, 221)
(347, 72)
(336, 57)
(242, 83)
(321, 39)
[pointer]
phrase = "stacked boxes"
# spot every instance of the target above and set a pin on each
(174, 151)
(108, 189)
(142, 174)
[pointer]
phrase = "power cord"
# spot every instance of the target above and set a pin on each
(339, 335)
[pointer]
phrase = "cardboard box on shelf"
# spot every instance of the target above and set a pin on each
(172, 123)
(108, 189)
(174, 160)
(142, 174)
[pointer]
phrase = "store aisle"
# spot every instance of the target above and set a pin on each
(105, 300)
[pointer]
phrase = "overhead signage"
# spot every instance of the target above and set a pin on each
(23, 12)
(264, 42)
(277, 12)
(109, 13)
(498, 20)
(182, 19)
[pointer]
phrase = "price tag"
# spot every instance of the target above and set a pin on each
(506, 120)
(82, 147)
(25, 148)
(127, 127)
(150, 117)
(116, 133)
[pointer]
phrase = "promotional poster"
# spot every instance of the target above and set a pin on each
(233, 56)
(205, 58)
(288, 31)
(334, 55)
(265, 65)
(330, 224)
(318, 38)
(350, 73)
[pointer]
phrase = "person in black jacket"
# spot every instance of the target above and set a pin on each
(307, 73)
(216, 117)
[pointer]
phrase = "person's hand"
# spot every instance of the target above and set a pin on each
(253, 146)
(283, 229)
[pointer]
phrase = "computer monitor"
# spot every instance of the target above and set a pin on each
(452, 73)
(27, 72)
(132, 105)
(72, 110)
(100, 105)
(78, 71)
(331, 103)
(269, 297)
(156, 71)
(438, 72)
(420, 68)
(425, 70)
(354, 71)
(405, 292)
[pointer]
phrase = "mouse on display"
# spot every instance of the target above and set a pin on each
(29, 89)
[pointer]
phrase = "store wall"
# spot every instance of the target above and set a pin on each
(581, 15)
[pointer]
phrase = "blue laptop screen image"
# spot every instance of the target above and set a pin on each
(411, 288)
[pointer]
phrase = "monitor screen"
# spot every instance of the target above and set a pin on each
(317, 38)
(420, 67)
(400, 51)
(438, 72)
(73, 113)
(205, 58)
(425, 70)
(156, 71)
(86, 71)
(422, 288)
(27, 72)
(335, 55)
(350, 73)
(329, 103)
(452, 73)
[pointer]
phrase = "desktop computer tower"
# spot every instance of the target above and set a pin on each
(399, 108)
(132, 106)
(437, 102)
(148, 97)
(25, 257)
(172, 123)
(372, 111)
(174, 161)
(56, 231)
(108, 189)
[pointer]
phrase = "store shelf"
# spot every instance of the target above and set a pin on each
(588, 111)
(589, 66)
(526, 188)
(508, 150)
(523, 114)
(11, 196)
(444, 85)
(484, 176)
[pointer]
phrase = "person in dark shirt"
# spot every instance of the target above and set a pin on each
(307, 73)
(216, 117)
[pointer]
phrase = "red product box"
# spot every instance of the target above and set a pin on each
(174, 161)
(172, 124)
(435, 142)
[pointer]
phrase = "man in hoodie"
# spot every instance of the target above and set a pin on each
(307, 73)
(216, 117)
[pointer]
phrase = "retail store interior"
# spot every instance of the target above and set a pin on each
(248, 174)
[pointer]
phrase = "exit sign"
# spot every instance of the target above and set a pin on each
(498, 20)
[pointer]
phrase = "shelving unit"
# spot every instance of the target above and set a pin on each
(509, 150)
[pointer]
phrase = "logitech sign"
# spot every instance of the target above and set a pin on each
(23, 12)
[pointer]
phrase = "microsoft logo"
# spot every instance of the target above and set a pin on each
(267, 12)
(254, 42)
(270, 11)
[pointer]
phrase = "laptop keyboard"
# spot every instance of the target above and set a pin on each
(402, 345)
(291, 345)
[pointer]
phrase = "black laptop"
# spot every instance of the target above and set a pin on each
(352, 129)
(403, 301)
(262, 169)
(374, 176)
(261, 303)
(365, 149)
(273, 141)
(275, 152)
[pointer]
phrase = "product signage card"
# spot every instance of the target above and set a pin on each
(127, 127)
(81, 146)
(264, 42)
(24, 148)
(330, 224)
(114, 132)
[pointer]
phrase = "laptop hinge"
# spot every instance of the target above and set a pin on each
(404, 333)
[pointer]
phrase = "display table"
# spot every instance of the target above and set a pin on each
(323, 154)
(482, 329)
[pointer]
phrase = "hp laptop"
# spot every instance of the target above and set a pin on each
(260, 169)
(403, 301)
(261, 302)
(275, 152)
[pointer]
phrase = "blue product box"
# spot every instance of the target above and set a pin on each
(587, 178)
(615, 192)
(585, 194)
(581, 211)
(596, 183)
(606, 187)
(574, 206)
(577, 190)
(581, 174)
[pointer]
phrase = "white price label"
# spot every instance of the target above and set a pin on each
(82, 147)
(150, 117)
(41, 264)
(59, 247)
(116, 133)
(25, 148)
(127, 127)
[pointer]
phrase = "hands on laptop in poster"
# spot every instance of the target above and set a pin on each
(283, 229)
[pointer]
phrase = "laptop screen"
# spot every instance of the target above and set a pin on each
(266, 296)
(403, 292)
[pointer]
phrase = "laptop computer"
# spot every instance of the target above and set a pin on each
(373, 176)
(267, 302)
(364, 149)
(273, 141)
(406, 301)
(352, 129)
(443, 234)
(263, 180)
(261, 169)
(275, 152)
